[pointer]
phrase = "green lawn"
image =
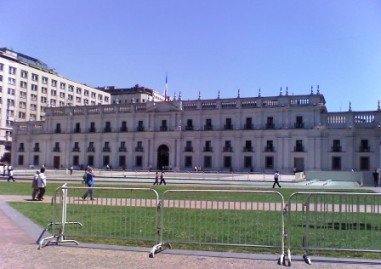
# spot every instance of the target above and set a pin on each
(203, 229)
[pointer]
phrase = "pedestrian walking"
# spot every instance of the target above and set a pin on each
(11, 175)
(156, 182)
(41, 184)
(162, 180)
(276, 179)
(89, 181)
(35, 185)
(71, 170)
(376, 177)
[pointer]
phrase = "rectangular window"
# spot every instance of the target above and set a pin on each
(138, 161)
(248, 124)
(208, 162)
(44, 80)
(36, 160)
(208, 124)
(12, 70)
(269, 162)
(188, 162)
(76, 160)
(122, 162)
(106, 160)
(228, 124)
(34, 77)
(54, 83)
(90, 160)
(364, 146)
(336, 163)
(20, 160)
(189, 125)
(364, 163)
(228, 162)
(270, 123)
(299, 146)
(298, 164)
(23, 84)
(11, 81)
(248, 162)
(24, 74)
(77, 128)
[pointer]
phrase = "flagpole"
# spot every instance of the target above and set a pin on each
(166, 87)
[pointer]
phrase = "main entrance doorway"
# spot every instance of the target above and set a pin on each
(163, 158)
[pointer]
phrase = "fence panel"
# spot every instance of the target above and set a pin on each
(334, 221)
(119, 215)
(224, 217)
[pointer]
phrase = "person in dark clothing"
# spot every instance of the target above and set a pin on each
(276, 179)
(90, 183)
(162, 180)
(156, 182)
(376, 176)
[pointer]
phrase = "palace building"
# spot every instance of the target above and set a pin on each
(28, 86)
(259, 134)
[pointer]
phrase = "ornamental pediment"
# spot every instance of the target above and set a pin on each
(164, 106)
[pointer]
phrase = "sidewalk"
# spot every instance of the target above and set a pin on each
(19, 250)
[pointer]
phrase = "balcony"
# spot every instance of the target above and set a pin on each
(227, 149)
(269, 149)
(270, 125)
(364, 149)
(189, 128)
(106, 149)
(298, 149)
(248, 126)
(123, 129)
(92, 130)
(76, 149)
(208, 127)
(90, 149)
(163, 128)
(247, 149)
(140, 129)
(228, 127)
(56, 149)
(336, 149)
(77, 130)
(139, 149)
(107, 130)
(122, 149)
(299, 125)
(188, 149)
(208, 149)
(57, 130)
(21, 149)
(36, 149)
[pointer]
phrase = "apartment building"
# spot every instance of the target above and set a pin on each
(28, 86)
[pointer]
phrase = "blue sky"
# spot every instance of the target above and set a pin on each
(207, 45)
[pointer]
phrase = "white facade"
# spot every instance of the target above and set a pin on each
(284, 133)
(28, 86)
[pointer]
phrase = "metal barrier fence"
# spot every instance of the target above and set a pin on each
(236, 218)
(128, 214)
(334, 221)
(331, 221)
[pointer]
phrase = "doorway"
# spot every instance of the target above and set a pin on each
(163, 158)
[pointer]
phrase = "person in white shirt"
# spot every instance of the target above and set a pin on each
(41, 184)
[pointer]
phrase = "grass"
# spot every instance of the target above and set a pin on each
(204, 229)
